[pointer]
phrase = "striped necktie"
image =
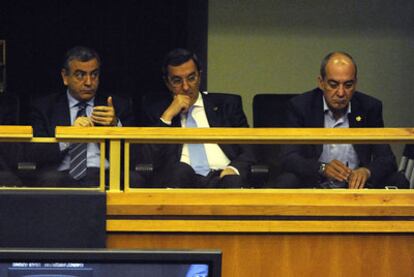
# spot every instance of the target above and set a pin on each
(77, 151)
(197, 152)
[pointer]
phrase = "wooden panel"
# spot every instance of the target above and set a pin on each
(240, 135)
(291, 255)
(115, 165)
(261, 202)
(261, 226)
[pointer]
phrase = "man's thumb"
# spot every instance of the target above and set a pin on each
(110, 104)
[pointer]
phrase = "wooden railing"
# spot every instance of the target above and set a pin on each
(223, 136)
(262, 232)
(15, 133)
(165, 203)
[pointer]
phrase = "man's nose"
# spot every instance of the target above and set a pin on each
(341, 90)
(88, 80)
(185, 85)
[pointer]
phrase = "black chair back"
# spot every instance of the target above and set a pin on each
(269, 111)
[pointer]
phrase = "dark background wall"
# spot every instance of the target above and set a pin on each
(131, 36)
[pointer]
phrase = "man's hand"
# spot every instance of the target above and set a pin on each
(104, 115)
(336, 170)
(83, 121)
(180, 103)
(358, 178)
(227, 171)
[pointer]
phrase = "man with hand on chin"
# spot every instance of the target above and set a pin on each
(75, 164)
(337, 104)
(196, 165)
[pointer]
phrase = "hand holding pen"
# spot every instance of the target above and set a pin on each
(338, 171)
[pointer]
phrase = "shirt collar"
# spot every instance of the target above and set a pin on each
(73, 101)
(199, 102)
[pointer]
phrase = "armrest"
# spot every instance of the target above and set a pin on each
(259, 174)
(26, 166)
(145, 170)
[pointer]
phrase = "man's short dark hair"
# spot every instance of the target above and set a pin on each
(328, 57)
(80, 53)
(177, 57)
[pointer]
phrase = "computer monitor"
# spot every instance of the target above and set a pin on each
(109, 263)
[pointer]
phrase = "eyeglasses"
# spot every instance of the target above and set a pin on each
(178, 81)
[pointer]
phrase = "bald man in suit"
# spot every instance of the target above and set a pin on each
(337, 104)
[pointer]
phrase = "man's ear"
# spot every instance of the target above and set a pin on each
(167, 84)
(64, 74)
(199, 76)
(320, 83)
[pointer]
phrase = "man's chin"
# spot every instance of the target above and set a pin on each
(83, 95)
(86, 96)
(340, 109)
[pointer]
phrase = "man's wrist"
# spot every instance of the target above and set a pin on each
(322, 167)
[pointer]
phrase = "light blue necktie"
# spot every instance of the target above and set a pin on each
(198, 156)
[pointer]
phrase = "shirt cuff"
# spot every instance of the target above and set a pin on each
(63, 146)
(165, 121)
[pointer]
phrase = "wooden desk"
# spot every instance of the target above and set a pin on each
(273, 232)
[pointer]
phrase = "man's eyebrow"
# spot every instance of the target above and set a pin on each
(176, 76)
(78, 70)
(332, 81)
(347, 81)
(83, 71)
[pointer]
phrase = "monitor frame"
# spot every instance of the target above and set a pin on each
(107, 256)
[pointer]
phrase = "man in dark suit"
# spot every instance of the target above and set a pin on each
(10, 152)
(337, 104)
(79, 105)
(181, 165)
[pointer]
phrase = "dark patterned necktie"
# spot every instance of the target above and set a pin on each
(77, 151)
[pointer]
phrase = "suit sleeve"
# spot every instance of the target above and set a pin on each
(156, 154)
(241, 155)
(295, 157)
(43, 153)
(382, 160)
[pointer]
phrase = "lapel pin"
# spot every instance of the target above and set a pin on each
(358, 118)
(215, 109)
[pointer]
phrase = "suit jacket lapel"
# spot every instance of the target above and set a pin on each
(318, 116)
(357, 117)
(215, 118)
(212, 111)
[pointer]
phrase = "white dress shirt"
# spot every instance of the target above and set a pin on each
(216, 158)
(341, 152)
